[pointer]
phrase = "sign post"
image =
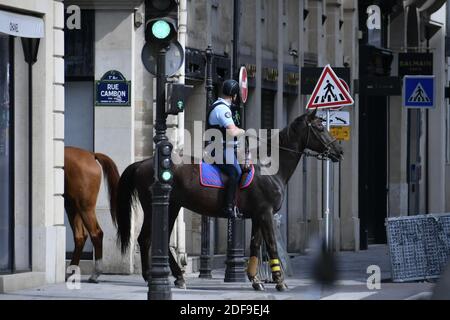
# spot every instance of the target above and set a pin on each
(330, 92)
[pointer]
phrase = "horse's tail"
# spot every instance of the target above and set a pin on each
(112, 176)
(125, 199)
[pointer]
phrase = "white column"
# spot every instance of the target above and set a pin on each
(114, 126)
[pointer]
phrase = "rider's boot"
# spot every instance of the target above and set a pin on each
(229, 209)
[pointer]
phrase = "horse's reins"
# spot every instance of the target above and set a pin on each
(319, 156)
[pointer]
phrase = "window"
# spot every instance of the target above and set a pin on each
(79, 48)
(267, 109)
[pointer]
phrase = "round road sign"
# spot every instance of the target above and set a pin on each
(243, 84)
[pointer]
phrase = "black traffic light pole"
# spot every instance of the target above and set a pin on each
(235, 264)
(158, 284)
(205, 257)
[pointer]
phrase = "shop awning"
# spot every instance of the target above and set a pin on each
(21, 25)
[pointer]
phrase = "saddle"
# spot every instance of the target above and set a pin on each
(212, 177)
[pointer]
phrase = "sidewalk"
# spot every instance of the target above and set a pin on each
(352, 267)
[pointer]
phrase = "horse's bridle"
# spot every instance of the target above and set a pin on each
(327, 145)
(323, 156)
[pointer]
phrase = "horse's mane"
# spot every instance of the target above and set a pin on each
(284, 134)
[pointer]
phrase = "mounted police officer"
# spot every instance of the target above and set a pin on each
(220, 117)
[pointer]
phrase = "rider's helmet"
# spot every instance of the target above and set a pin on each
(230, 88)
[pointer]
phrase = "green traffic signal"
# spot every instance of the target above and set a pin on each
(161, 29)
(166, 175)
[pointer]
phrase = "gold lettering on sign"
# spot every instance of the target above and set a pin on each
(293, 79)
(251, 70)
(271, 74)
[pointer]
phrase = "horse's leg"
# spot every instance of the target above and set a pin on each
(145, 236)
(96, 235)
(255, 245)
(79, 235)
(269, 237)
(174, 267)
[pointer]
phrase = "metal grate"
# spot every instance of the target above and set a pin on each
(419, 246)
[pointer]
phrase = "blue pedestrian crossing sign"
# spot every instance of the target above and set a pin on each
(419, 92)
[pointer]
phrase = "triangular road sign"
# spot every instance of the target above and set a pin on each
(419, 95)
(329, 92)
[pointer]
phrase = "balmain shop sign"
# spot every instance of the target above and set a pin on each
(113, 90)
(413, 64)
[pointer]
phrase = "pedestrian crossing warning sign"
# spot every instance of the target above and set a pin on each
(418, 91)
(419, 95)
(330, 92)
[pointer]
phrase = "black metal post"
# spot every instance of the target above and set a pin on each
(158, 285)
(235, 264)
(205, 257)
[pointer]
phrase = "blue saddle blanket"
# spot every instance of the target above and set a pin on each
(211, 176)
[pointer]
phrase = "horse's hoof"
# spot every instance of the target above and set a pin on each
(93, 280)
(281, 287)
(258, 286)
(180, 284)
(94, 277)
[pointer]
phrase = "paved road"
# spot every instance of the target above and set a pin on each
(352, 285)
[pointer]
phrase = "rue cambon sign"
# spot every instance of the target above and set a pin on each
(113, 90)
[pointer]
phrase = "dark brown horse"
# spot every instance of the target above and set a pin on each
(258, 202)
(82, 177)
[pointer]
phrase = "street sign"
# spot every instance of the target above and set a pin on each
(419, 92)
(337, 118)
(174, 58)
(340, 133)
(112, 90)
(243, 84)
(329, 92)
(310, 76)
(415, 63)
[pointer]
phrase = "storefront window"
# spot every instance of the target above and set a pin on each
(6, 151)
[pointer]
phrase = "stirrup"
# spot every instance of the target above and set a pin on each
(237, 214)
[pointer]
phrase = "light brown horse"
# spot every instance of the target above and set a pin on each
(82, 177)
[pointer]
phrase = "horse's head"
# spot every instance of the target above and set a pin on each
(314, 136)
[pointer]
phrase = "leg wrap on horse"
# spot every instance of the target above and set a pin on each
(252, 268)
(275, 265)
(97, 271)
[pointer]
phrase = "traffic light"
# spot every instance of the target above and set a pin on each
(164, 169)
(161, 25)
(175, 98)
